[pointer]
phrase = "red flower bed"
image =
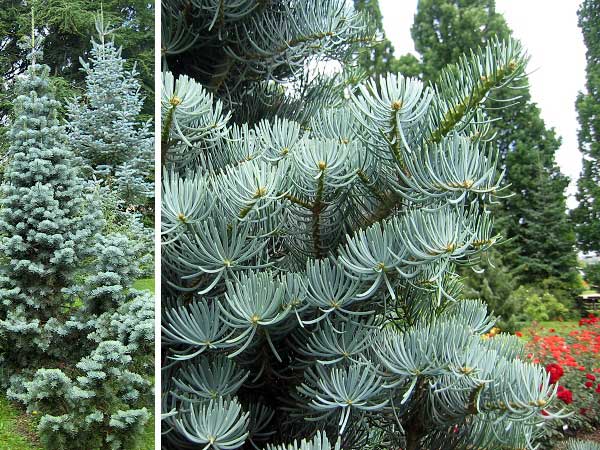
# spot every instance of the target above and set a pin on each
(573, 364)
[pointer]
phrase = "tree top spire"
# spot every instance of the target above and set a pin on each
(31, 44)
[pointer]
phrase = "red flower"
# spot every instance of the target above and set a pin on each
(589, 376)
(588, 384)
(518, 334)
(598, 389)
(565, 395)
(581, 368)
(590, 320)
(551, 330)
(555, 372)
(582, 411)
(544, 412)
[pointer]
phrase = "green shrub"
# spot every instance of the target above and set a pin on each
(536, 304)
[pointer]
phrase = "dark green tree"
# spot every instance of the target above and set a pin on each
(494, 286)
(379, 57)
(541, 246)
(544, 237)
(587, 215)
(444, 29)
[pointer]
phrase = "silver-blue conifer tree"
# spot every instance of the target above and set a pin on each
(104, 124)
(74, 335)
(46, 224)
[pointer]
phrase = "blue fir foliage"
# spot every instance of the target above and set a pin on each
(309, 257)
(77, 406)
(47, 223)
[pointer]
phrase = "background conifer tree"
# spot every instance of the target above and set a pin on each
(379, 58)
(310, 241)
(103, 124)
(587, 214)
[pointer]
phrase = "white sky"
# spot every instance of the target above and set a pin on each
(548, 30)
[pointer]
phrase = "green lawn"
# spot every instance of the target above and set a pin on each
(147, 442)
(145, 284)
(561, 327)
(148, 437)
(17, 430)
(543, 328)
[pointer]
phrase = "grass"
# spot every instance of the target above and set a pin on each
(145, 284)
(562, 327)
(147, 440)
(18, 430)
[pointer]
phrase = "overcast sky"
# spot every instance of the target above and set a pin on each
(548, 30)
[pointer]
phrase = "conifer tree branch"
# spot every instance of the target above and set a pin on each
(297, 201)
(377, 220)
(166, 134)
(317, 209)
(370, 185)
(479, 93)
(462, 87)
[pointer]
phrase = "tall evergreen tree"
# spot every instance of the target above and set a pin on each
(45, 225)
(587, 213)
(546, 247)
(309, 253)
(103, 125)
(444, 29)
(379, 57)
